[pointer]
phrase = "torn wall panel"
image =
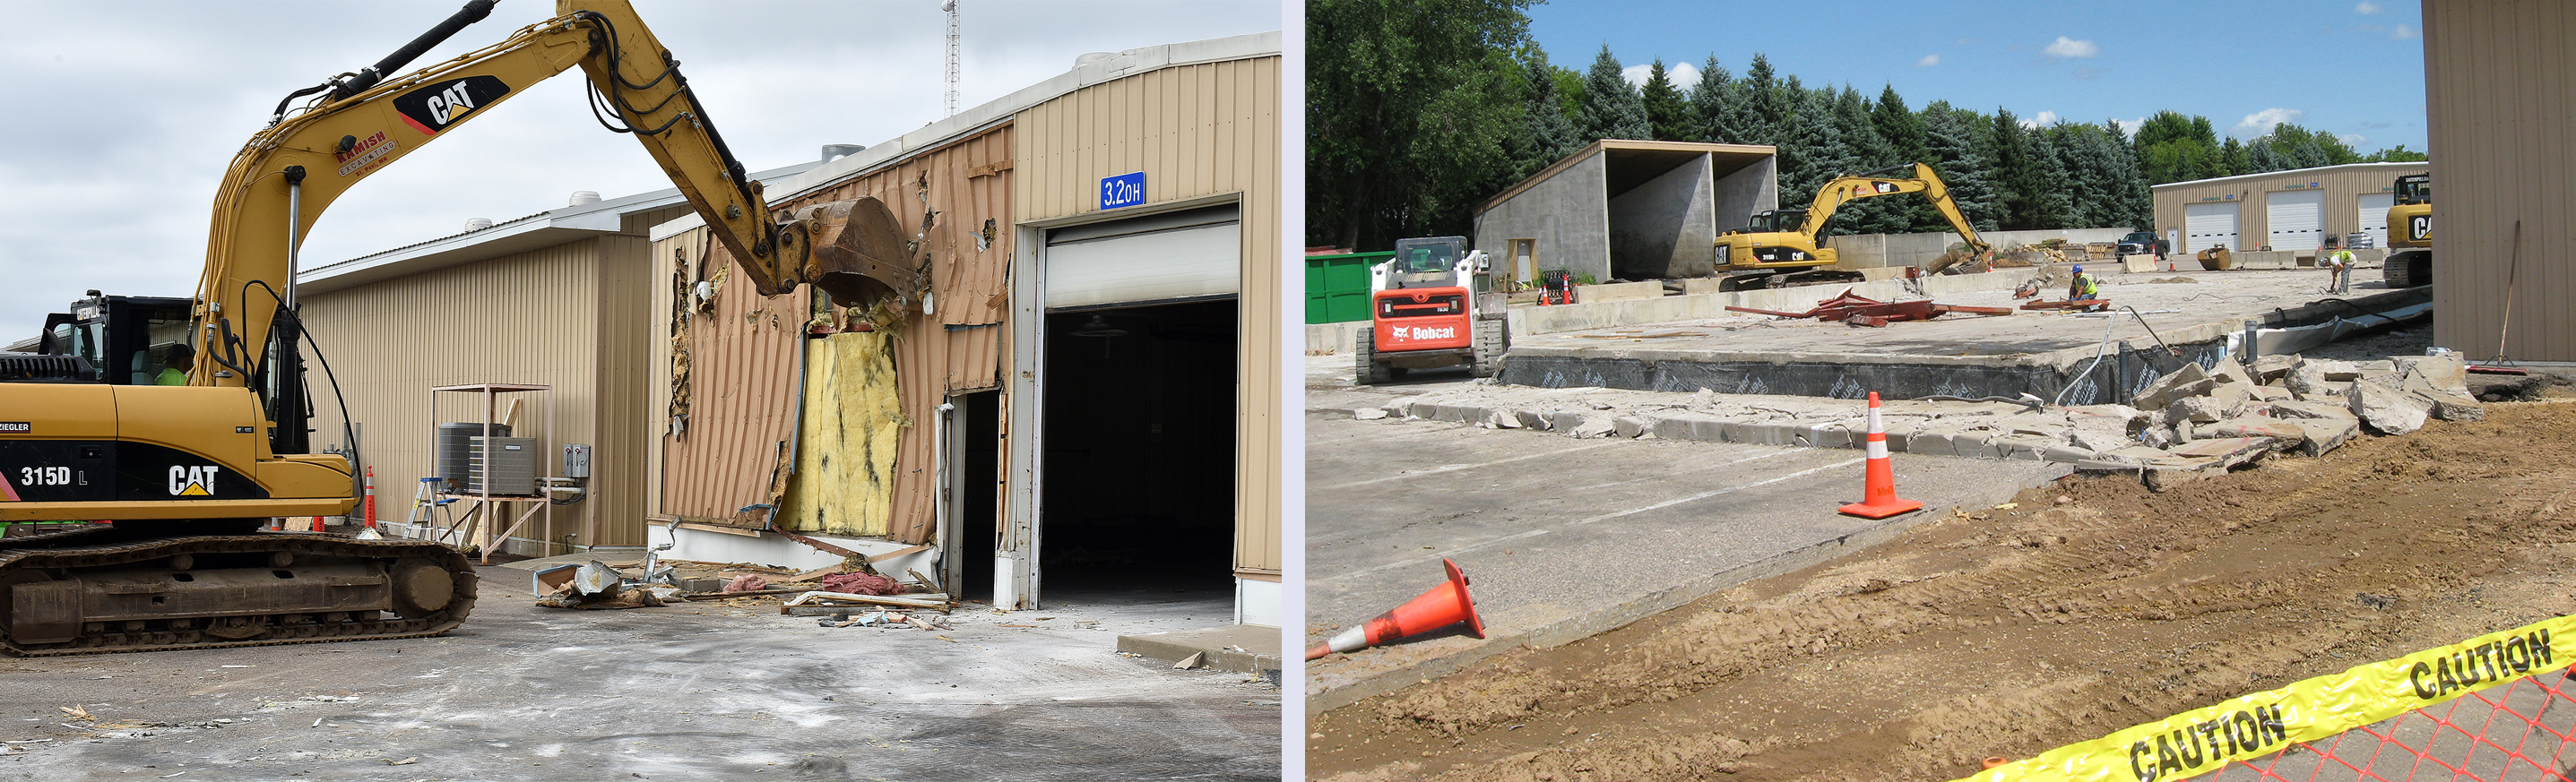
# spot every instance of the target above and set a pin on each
(845, 462)
(731, 408)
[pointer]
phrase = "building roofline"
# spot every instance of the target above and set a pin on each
(1610, 144)
(976, 121)
(2248, 177)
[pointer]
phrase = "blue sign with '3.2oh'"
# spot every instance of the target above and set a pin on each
(1122, 190)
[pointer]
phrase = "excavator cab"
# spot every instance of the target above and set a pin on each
(122, 340)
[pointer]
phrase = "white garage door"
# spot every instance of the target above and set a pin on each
(2374, 216)
(1155, 258)
(2208, 225)
(2296, 219)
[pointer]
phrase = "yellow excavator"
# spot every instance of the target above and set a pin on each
(2410, 234)
(1779, 248)
(187, 475)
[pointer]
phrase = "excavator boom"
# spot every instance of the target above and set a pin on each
(1770, 246)
(188, 474)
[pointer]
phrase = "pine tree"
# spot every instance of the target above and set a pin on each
(1902, 130)
(2132, 203)
(1666, 114)
(1549, 134)
(2052, 203)
(1768, 108)
(1952, 148)
(2234, 159)
(1611, 108)
(1870, 152)
(2016, 174)
(1716, 106)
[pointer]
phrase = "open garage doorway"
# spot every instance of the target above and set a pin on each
(974, 483)
(1140, 451)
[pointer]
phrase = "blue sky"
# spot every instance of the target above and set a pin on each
(2349, 67)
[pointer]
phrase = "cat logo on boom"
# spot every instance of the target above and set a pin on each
(434, 106)
(187, 481)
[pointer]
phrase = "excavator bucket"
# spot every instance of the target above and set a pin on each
(858, 255)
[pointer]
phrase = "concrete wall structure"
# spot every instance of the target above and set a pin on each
(2252, 194)
(1632, 210)
(1867, 251)
(2497, 109)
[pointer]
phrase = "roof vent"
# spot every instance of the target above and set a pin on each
(477, 223)
(833, 152)
(1088, 58)
(580, 197)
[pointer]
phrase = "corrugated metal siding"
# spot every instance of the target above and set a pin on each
(742, 389)
(2497, 109)
(2343, 186)
(957, 348)
(1199, 130)
(545, 316)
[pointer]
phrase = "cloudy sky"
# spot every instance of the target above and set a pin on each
(127, 113)
(2354, 68)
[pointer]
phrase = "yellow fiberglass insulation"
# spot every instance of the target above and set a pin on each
(845, 445)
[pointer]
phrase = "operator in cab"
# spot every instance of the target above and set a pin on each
(175, 371)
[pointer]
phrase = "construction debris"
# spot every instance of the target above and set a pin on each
(1858, 310)
(2192, 421)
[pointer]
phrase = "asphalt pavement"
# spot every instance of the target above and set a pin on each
(1563, 538)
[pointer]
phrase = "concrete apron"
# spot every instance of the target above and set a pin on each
(2116, 379)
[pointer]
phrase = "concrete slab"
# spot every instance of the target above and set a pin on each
(1243, 648)
(689, 691)
(2041, 354)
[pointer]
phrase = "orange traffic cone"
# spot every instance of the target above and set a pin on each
(317, 524)
(1881, 501)
(1442, 606)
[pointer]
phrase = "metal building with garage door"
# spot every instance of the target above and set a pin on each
(2294, 210)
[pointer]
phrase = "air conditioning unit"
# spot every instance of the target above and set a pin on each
(509, 463)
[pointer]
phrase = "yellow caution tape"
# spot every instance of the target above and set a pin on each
(2202, 740)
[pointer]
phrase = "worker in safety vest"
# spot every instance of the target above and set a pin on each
(2083, 288)
(2339, 271)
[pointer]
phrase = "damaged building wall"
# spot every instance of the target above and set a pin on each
(963, 191)
(561, 316)
(845, 440)
(727, 405)
(1201, 133)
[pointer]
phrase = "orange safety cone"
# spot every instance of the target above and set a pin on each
(1881, 501)
(317, 524)
(1442, 606)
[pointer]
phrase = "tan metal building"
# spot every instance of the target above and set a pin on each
(555, 299)
(2281, 210)
(1094, 388)
(2501, 120)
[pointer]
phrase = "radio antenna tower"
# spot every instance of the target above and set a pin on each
(951, 7)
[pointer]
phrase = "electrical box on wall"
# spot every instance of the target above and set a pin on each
(576, 461)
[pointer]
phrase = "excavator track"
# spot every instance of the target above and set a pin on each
(92, 591)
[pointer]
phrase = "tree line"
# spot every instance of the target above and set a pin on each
(1417, 110)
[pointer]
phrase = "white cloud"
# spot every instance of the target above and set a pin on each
(2261, 123)
(1683, 76)
(2366, 8)
(2352, 139)
(1928, 60)
(2402, 32)
(2069, 48)
(2040, 120)
(2129, 127)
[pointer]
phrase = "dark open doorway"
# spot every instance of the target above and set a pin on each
(976, 498)
(1140, 428)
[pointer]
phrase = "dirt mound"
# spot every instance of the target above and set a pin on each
(2007, 632)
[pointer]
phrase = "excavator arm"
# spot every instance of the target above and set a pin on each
(1851, 188)
(289, 173)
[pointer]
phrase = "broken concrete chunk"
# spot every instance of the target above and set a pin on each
(1502, 419)
(2230, 397)
(1368, 413)
(1587, 427)
(2286, 433)
(2387, 410)
(2324, 434)
(2291, 408)
(2270, 369)
(1534, 420)
(1628, 426)
(2228, 372)
(2206, 458)
(2189, 380)
(2315, 377)
(2160, 438)
(2195, 409)
(2448, 405)
(2446, 371)
(2270, 393)
(1690, 426)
